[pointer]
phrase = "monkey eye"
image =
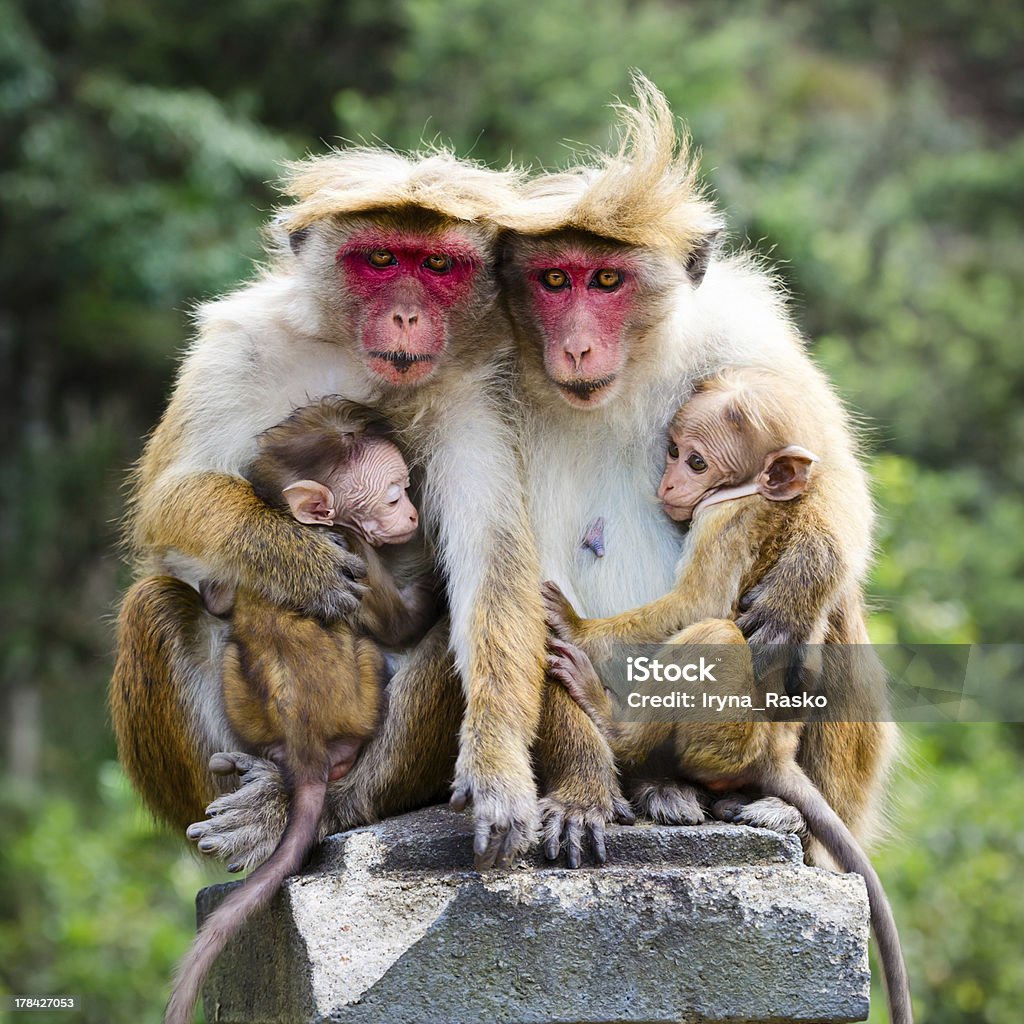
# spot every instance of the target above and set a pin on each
(607, 280)
(554, 280)
(438, 263)
(673, 450)
(381, 258)
(696, 463)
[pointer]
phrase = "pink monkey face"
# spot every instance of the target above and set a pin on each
(368, 494)
(583, 304)
(406, 286)
(373, 495)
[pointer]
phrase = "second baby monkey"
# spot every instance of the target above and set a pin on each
(740, 452)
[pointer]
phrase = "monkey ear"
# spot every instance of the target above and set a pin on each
(786, 473)
(311, 503)
(699, 257)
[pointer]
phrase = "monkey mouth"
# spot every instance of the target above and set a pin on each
(583, 390)
(402, 361)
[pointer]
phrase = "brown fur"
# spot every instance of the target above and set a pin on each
(734, 546)
(259, 353)
(684, 326)
(305, 692)
(757, 754)
(645, 194)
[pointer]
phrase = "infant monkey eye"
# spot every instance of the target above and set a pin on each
(673, 450)
(696, 463)
(606, 280)
(438, 262)
(381, 258)
(554, 280)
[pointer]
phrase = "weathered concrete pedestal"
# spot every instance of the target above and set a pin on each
(392, 926)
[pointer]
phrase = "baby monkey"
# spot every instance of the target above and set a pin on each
(303, 692)
(733, 471)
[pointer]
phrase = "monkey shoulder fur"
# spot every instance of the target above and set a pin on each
(300, 690)
(740, 459)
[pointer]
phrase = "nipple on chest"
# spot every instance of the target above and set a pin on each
(594, 537)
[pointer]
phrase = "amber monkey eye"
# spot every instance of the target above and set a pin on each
(382, 258)
(673, 450)
(606, 279)
(696, 463)
(438, 262)
(554, 280)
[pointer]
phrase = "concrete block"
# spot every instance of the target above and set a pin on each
(390, 925)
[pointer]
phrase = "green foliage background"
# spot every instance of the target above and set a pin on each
(873, 149)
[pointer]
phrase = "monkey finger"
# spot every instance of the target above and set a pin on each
(508, 849)
(622, 812)
(553, 825)
(486, 845)
(597, 842)
(459, 799)
(223, 764)
(234, 763)
(573, 842)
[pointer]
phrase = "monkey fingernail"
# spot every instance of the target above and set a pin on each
(207, 845)
(195, 831)
(234, 868)
(222, 764)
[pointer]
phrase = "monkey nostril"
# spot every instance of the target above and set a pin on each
(413, 319)
(397, 318)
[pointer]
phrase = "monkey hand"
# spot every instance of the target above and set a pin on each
(585, 795)
(332, 586)
(569, 666)
(777, 636)
(244, 826)
(567, 818)
(507, 819)
(561, 617)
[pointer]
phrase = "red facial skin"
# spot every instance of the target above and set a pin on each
(405, 305)
(582, 323)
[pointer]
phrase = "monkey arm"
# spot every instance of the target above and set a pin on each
(473, 498)
(723, 546)
(788, 603)
(393, 615)
(217, 519)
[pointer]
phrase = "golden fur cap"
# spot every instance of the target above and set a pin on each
(645, 193)
(363, 178)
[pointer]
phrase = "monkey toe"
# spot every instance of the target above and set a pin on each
(728, 807)
(494, 847)
(669, 803)
(565, 827)
(769, 812)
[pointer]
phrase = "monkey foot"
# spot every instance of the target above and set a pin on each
(768, 812)
(505, 825)
(565, 824)
(669, 803)
(244, 826)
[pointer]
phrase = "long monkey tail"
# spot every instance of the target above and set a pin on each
(793, 786)
(253, 895)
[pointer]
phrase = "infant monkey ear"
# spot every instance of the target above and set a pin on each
(311, 503)
(786, 473)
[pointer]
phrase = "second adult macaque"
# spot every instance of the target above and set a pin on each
(303, 692)
(739, 453)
